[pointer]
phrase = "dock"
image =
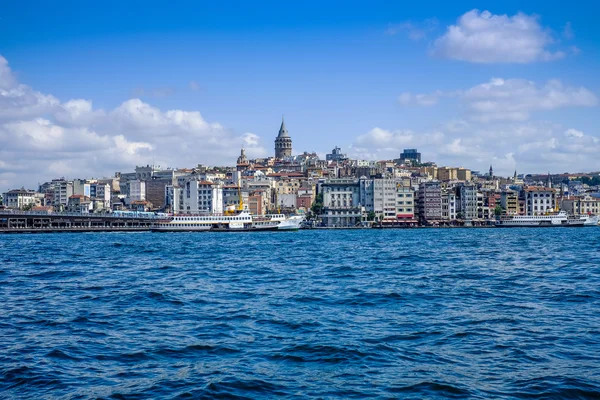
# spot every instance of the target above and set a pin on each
(41, 222)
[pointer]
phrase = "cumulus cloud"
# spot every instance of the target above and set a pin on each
(483, 37)
(527, 147)
(574, 133)
(516, 99)
(43, 138)
(509, 99)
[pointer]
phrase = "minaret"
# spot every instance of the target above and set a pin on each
(283, 142)
(491, 172)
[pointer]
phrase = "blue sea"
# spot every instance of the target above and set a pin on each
(411, 314)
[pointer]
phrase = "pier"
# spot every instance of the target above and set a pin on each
(37, 222)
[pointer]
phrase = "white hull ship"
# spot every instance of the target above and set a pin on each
(560, 219)
(241, 222)
(590, 220)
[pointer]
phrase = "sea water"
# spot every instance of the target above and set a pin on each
(422, 313)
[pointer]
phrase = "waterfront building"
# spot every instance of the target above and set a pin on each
(202, 197)
(155, 191)
(581, 205)
(283, 142)
(384, 199)
(509, 200)
(62, 191)
(231, 196)
(405, 202)
(259, 201)
(539, 200)
(448, 205)
(136, 190)
(79, 204)
(467, 206)
(20, 198)
(430, 202)
(100, 193)
(173, 199)
(483, 210)
(341, 203)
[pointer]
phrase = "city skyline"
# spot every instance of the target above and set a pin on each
(80, 97)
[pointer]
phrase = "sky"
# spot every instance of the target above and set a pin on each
(91, 88)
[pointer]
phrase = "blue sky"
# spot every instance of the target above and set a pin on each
(371, 77)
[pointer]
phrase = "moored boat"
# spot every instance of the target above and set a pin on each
(590, 220)
(237, 222)
(540, 221)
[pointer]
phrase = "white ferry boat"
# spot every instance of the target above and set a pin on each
(552, 220)
(590, 220)
(242, 221)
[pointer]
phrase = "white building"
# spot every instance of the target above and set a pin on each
(19, 198)
(62, 191)
(581, 205)
(101, 192)
(384, 198)
(405, 202)
(136, 190)
(202, 197)
(174, 198)
(448, 205)
(341, 203)
(539, 200)
(468, 202)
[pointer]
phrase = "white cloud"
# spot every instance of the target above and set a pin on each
(509, 99)
(574, 133)
(415, 31)
(43, 138)
(421, 99)
(526, 147)
(516, 99)
(483, 37)
(7, 80)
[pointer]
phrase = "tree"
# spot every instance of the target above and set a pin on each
(27, 207)
(317, 206)
(371, 216)
(498, 210)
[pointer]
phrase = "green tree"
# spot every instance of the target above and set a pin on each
(498, 210)
(27, 207)
(317, 206)
(371, 216)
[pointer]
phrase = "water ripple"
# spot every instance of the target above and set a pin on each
(447, 313)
